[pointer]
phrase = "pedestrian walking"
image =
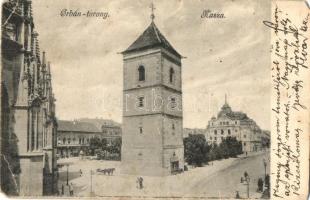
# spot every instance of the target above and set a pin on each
(267, 181)
(237, 195)
(141, 182)
(81, 172)
(71, 189)
(260, 184)
(246, 174)
(138, 182)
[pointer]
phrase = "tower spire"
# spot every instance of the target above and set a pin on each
(49, 68)
(43, 58)
(225, 98)
(152, 11)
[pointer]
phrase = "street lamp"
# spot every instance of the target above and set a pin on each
(265, 165)
(246, 179)
(67, 174)
(92, 194)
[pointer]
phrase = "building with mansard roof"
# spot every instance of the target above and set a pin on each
(236, 124)
(28, 122)
(152, 135)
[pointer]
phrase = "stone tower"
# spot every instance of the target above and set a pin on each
(152, 140)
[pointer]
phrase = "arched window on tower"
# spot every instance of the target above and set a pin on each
(171, 75)
(141, 73)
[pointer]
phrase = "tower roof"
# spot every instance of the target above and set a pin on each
(151, 37)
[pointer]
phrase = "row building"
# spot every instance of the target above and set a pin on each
(73, 137)
(238, 125)
(28, 122)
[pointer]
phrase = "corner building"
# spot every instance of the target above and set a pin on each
(235, 124)
(152, 140)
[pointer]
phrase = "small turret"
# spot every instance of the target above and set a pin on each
(33, 44)
(37, 52)
(43, 58)
(225, 108)
(48, 73)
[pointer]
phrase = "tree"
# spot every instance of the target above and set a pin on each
(196, 148)
(265, 142)
(114, 149)
(197, 151)
(116, 146)
(231, 147)
(217, 152)
(104, 144)
(94, 143)
(207, 150)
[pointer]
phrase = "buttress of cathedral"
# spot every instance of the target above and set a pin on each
(152, 140)
(28, 122)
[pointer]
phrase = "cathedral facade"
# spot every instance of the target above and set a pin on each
(152, 141)
(28, 122)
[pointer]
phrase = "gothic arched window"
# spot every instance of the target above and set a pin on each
(171, 75)
(141, 73)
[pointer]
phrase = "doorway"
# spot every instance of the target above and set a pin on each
(174, 166)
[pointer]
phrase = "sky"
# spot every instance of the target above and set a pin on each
(223, 56)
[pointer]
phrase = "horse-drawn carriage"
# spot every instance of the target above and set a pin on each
(108, 171)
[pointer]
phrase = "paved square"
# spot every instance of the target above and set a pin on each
(220, 178)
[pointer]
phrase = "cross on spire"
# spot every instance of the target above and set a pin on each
(152, 11)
